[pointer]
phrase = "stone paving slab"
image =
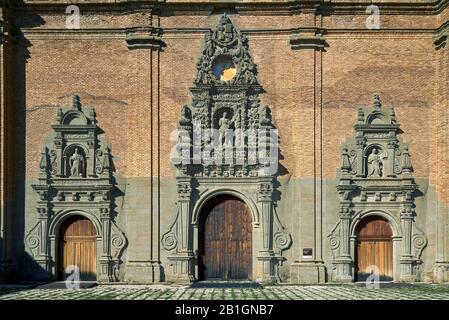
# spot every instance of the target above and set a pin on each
(177, 292)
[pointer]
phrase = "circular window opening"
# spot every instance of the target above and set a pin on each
(224, 69)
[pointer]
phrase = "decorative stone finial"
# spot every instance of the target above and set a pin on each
(76, 104)
(376, 101)
(360, 115)
(92, 114)
(406, 162)
(392, 115)
(185, 116)
(59, 115)
(266, 120)
(345, 162)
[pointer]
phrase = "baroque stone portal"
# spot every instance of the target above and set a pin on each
(237, 164)
(76, 178)
(376, 180)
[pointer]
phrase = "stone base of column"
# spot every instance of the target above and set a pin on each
(143, 272)
(342, 270)
(305, 272)
(441, 272)
(182, 268)
(266, 268)
(409, 270)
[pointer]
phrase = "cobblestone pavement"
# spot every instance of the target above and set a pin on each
(283, 292)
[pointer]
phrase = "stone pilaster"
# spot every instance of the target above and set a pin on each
(6, 135)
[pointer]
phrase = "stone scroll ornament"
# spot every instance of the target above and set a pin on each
(376, 178)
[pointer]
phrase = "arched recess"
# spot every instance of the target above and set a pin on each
(77, 249)
(382, 155)
(225, 234)
(54, 234)
(68, 153)
(208, 195)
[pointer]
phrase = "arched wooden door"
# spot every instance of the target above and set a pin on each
(78, 246)
(374, 247)
(225, 240)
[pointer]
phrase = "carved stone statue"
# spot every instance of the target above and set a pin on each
(345, 161)
(375, 164)
(76, 164)
(224, 124)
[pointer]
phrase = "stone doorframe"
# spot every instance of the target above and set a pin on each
(269, 236)
(54, 232)
(396, 238)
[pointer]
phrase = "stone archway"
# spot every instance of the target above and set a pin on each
(225, 240)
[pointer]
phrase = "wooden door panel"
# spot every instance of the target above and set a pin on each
(225, 239)
(78, 247)
(374, 247)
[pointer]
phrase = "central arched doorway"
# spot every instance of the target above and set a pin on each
(374, 247)
(225, 240)
(77, 246)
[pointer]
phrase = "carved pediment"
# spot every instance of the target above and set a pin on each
(225, 59)
(375, 151)
(225, 131)
(77, 151)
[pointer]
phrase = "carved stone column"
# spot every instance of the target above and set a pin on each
(407, 260)
(105, 268)
(389, 165)
(90, 157)
(42, 258)
(184, 260)
(343, 264)
(360, 145)
(62, 170)
(266, 269)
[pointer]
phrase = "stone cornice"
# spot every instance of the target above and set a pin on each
(308, 38)
(441, 35)
(144, 37)
(268, 6)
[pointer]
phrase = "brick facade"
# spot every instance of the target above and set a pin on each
(138, 94)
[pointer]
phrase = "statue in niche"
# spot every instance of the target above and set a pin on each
(76, 164)
(375, 164)
(224, 124)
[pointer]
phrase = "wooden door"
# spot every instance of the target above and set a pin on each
(78, 246)
(225, 240)
(374, 246)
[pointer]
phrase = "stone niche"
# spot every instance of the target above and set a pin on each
(225, 98)
(376, 179)
(76, 178)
